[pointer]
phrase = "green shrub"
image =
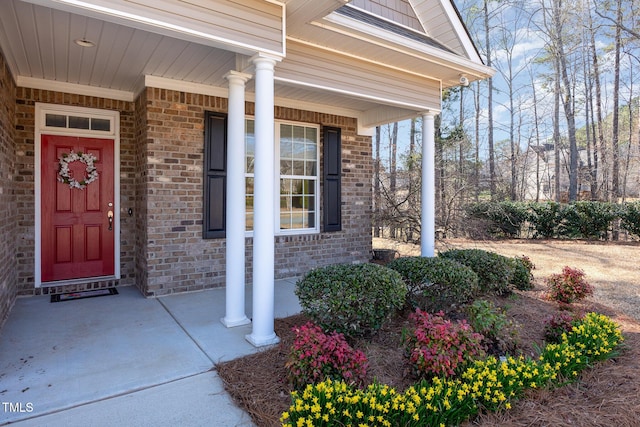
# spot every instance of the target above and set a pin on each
(353, 299)
(589, 220)
(490, 321)
(545, 218)
(630, 218)
(494, 271)
(503, 218)
(436, 284)
(522, 278)
(485, 318)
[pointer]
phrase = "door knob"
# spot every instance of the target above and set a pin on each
(110, 217)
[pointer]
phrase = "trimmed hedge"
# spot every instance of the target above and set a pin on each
(582, 219)
(353, 299)
(630, 218)
(503, 218)
(436, 284)
(495, 272)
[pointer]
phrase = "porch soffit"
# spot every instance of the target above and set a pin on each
(351, 71)
(244, 26)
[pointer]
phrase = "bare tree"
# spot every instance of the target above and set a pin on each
(615, 142)
(376, 186)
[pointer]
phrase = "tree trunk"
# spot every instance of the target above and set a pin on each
(567, 101)
(376, 187)
(393, 172)
(556, 128)
(599, 144)
(537, 131)
(476, 178)
(615, 148)
(492, 162)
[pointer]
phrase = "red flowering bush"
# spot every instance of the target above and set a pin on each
(569, 286)
(316, 356)
(558, 324)
(438, 347)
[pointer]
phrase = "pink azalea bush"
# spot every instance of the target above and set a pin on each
(315, 357)
(569, 286)
(438, 347)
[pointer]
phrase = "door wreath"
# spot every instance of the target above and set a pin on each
(64, 174)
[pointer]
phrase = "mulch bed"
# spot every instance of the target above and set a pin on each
(606, 395)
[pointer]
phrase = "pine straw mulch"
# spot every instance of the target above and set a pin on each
(606, 395)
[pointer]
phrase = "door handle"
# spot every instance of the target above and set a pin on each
(110, 217)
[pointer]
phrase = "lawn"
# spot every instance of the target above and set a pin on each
(605, 395)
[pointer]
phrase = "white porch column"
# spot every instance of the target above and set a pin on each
(428, 202)
(264, 206)
(235, 214)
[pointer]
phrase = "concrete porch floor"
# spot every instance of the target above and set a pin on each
(124, 360)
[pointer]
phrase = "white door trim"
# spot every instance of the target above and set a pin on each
(41, 127)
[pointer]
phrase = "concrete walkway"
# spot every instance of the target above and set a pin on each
(124, 360)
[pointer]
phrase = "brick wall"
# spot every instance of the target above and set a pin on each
(8, 254)
(25, 186)
(177, 258)
(161, 151)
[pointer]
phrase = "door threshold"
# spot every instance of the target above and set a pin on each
(81, 281)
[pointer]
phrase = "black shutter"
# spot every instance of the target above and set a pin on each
(215, 175)
(332, 179)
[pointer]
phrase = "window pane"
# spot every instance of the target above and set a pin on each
(101, 124)
(249, 186)
(285, 221)
(56, 120)
(285, 186)
(249, 221)
(296, 186)
(309, 187)
(311, 135)
(286, 167)
(250, 145)
(310, 168)
(297, 220)
(296, 202)
(298, 167)
(310, 151)
(308, 202)
(285, 148)
(312, 219)
(78, 122)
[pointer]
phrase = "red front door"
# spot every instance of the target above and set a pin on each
(77, 238)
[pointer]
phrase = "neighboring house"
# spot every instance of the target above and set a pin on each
(231, 139)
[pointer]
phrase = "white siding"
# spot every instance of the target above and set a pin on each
(314, 67)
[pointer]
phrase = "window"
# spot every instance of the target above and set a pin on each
(298, 179)
(77, 122)
(297, 162)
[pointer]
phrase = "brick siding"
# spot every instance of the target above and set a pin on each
(161, 153)
(178, 259)
(26, 99)
(8, 254)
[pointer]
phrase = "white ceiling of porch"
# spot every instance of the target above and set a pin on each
(38, 43)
